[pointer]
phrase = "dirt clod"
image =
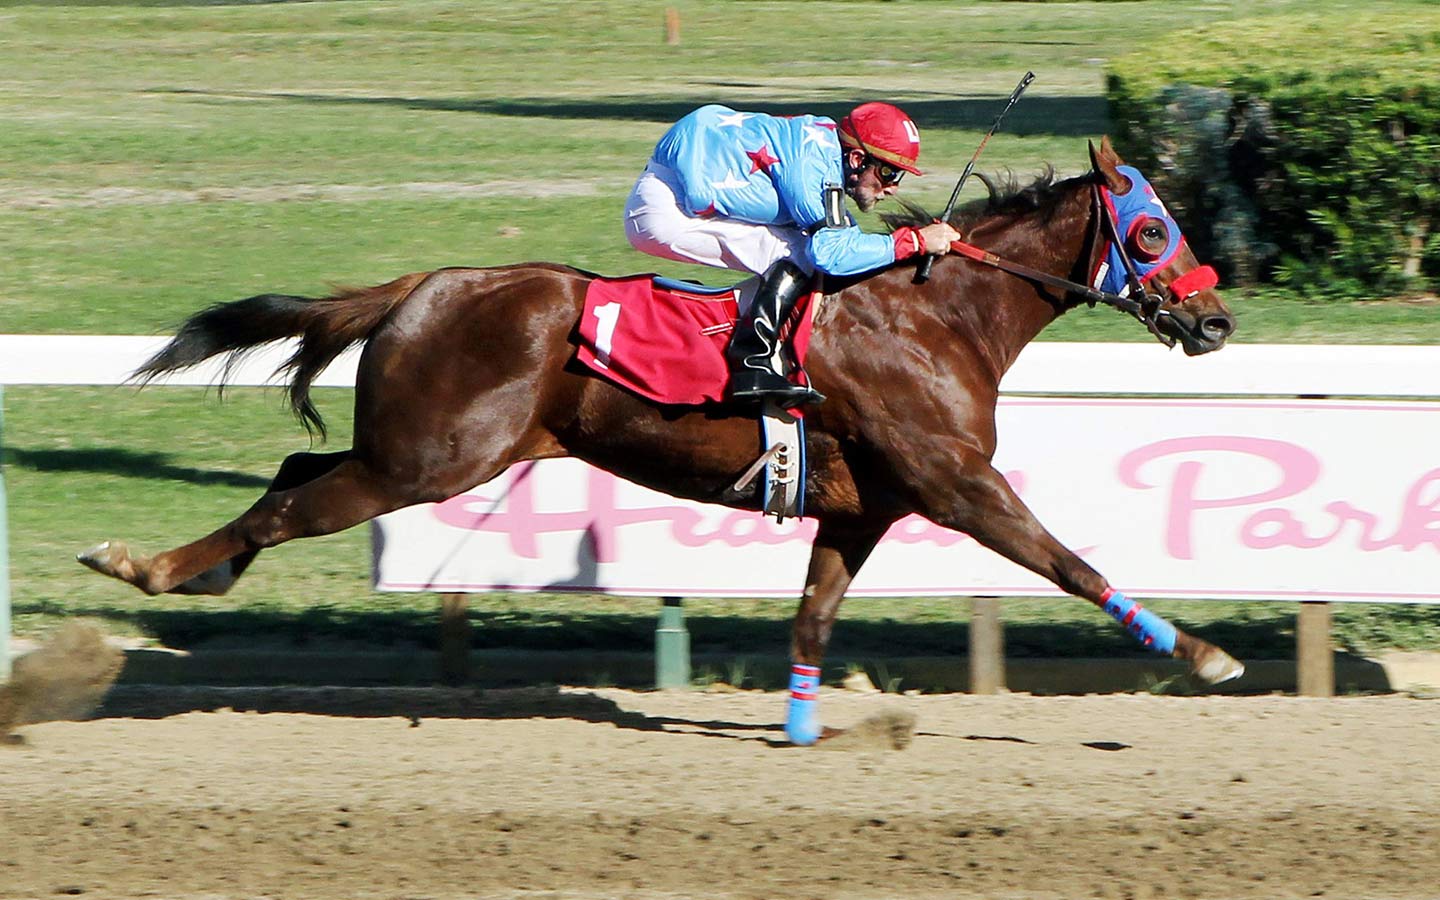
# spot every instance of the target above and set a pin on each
(66, 678)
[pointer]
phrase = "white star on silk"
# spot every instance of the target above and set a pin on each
(814, 134)
(734, 120)
(1160, 203)
(730, 183)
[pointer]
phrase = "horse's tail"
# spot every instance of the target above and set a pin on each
(325, 326)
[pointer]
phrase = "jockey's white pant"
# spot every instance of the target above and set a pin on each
(657, 224)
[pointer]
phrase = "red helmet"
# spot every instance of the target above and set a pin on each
(885, 133)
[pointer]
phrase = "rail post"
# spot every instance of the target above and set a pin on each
(987, 646)
(1315, 656)
(672, 647)
(454, 638)
(4, 560)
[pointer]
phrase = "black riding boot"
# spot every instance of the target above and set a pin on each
(755, 372)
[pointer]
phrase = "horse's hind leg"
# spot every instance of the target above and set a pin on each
(347, 493)
(978, 501)
(297, 469)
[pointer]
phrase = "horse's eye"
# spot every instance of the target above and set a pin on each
(1148, 239)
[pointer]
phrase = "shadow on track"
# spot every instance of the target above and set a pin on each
(416, 705)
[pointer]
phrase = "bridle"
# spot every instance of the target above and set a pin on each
(1149, 309)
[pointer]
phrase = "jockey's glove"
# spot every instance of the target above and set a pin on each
(937, 238)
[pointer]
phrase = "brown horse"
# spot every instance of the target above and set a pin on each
(465, 372)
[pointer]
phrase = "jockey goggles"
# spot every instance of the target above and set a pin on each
(887, 173)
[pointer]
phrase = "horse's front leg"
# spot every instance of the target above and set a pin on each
(837, 554)
(978, 501)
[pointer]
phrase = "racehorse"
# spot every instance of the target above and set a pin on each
(466, 371)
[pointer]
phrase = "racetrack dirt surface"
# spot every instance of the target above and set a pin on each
(346, 794)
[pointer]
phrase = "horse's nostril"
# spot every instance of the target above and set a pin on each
(1216, 327)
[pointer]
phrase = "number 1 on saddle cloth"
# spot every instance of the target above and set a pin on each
(666, 340)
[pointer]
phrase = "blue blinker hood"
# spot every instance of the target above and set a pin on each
(1130, 210)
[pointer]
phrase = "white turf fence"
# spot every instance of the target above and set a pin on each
(1256, 473)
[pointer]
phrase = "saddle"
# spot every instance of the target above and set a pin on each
(665, 340)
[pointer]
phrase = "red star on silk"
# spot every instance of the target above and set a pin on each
(761, 160)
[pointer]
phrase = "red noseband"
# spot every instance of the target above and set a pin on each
(1193, 282)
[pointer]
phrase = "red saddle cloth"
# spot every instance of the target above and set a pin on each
(664, 342)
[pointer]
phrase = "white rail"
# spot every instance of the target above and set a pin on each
(1043, 368)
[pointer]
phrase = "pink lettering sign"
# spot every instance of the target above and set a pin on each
(1296, 471)
(603, 518)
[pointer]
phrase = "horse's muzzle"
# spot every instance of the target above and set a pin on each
(1198, 333)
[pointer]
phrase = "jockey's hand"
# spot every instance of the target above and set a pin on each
(937, 237)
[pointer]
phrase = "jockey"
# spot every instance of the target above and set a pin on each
(766, 194)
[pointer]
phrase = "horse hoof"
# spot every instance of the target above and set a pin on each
(100, 557)
(804, 732)
(1218, 667)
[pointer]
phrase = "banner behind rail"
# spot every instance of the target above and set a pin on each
(1184, 498)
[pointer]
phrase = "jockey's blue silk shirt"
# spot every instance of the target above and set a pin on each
(770, 171)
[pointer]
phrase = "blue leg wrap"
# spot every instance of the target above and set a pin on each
(802, 721)
(1149, 629)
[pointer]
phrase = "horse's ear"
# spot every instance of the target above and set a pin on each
(1106, 161)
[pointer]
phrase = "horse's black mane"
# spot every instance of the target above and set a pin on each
(1007, 198)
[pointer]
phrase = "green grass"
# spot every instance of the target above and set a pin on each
(159, 156)
(308, 248)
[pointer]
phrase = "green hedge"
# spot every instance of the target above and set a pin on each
(1298, 150)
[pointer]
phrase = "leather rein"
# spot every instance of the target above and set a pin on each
(1148, 311)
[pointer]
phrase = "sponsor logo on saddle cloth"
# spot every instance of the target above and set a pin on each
(665, 340)
(1131, 211)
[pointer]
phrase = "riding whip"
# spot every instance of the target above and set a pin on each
(922, 273)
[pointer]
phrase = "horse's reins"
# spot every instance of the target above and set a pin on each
(1149, 310)
(922, 272)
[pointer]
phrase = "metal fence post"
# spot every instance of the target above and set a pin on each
(4, 560)
(672, 647)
